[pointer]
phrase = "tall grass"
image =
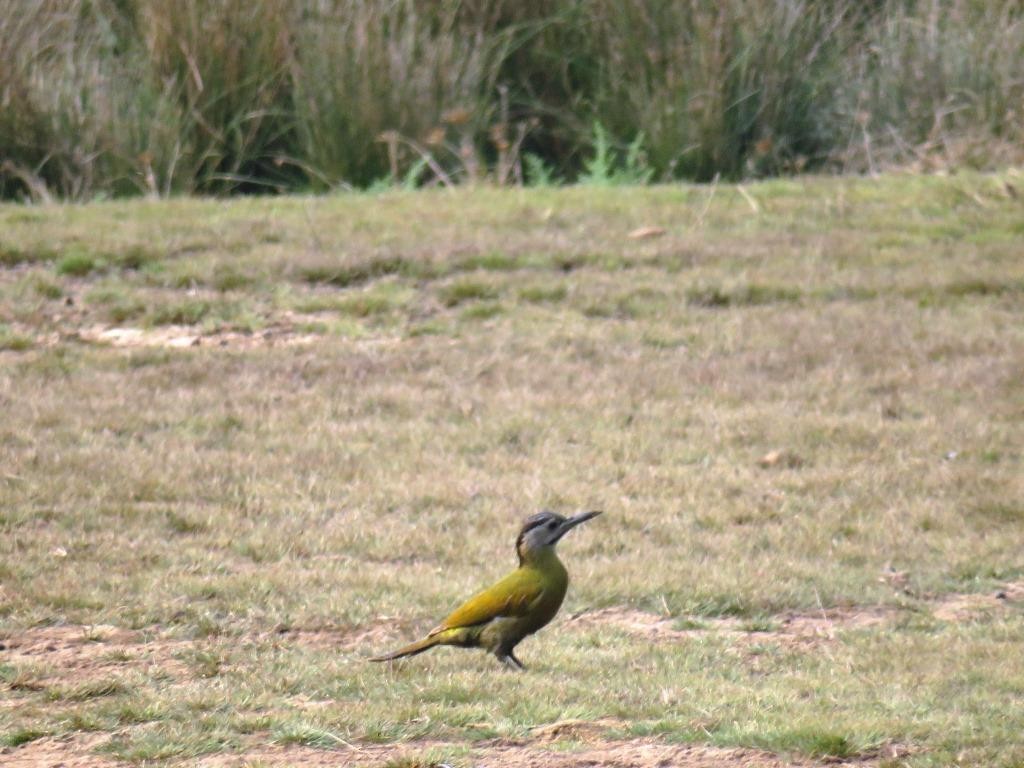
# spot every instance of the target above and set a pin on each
(116, 97)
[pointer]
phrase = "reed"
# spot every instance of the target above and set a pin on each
(121, 97)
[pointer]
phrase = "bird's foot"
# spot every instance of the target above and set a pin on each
(510, 661)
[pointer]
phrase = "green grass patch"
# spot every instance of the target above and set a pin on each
(231, 277)
(14, 341)
(186, 524)
(189, 312)
(810, 742)
(307, 735)
(132, 257)
(482, 311)
(716, 296)
(13, 256)
(46, 288)
(18, 736)
(77, 264)
(90, 689)
(1000, 511)
(369, 304)
(166, 743)
(347, 274)
(494, 261)
(543, 294)
(118, 304)
(465, 290)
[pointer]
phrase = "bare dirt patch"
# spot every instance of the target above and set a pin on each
(565, 744)
(631, 754)
(185, 336)
(75, 653)
(792, 628)
(798, 628)
(578, 730)
(961, 608)
(66, 752)
(552, 753)
(381, 631)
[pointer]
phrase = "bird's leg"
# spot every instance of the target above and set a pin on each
(512, 662)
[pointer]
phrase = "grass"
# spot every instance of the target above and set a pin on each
(114, 99)
(12, 340)
(777, 411)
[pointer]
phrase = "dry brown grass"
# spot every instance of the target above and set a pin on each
(790, 415)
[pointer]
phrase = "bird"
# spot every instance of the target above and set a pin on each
(499, 617)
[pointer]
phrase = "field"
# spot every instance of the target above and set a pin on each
(247, 444)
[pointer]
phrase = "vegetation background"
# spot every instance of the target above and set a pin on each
(121, 97)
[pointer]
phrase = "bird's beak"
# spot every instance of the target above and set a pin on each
(575, 520)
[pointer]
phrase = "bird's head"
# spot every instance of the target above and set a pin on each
(544, 530)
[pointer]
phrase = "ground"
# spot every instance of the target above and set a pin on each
(248, 444)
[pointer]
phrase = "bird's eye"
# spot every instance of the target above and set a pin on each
(551, 525)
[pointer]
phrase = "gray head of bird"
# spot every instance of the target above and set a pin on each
(545, 529)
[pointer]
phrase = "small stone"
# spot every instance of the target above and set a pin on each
(646, 233)
(780, 458)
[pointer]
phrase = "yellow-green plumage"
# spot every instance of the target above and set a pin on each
(518, 605)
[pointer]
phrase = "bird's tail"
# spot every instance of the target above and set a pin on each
(412, 649)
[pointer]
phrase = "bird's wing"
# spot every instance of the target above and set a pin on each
(512, 596)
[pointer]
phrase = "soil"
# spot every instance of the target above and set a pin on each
(182, 336)
(81, 653)
(587, 752)
(799, 628)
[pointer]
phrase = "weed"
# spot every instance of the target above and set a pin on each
(759, 625)
(47, 288)
(186, 525)
(539, 173)
(21, 679)
(740, 296)
(89, 690)
(1000, 512)
(307, 735)
(814, 743)
(133, 257)
(118, 304)
(482, 311)
(352, 274)
(366, 304)
(76, 264)
(543, 294)
(188, 312)
(606, 168)
(461, 291)
(19, 736)
(229, 277)
(13, 341)
(11, 256)
(494, 261)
